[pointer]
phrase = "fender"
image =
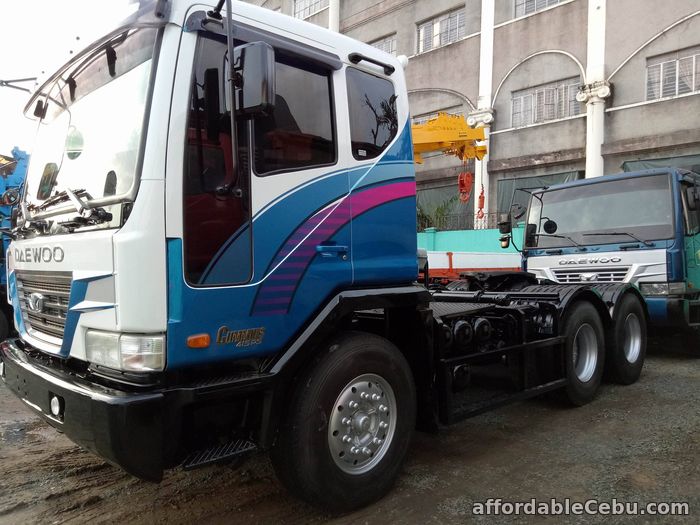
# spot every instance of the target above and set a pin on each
(605, 297)
(287, 364)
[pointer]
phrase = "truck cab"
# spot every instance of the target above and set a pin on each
(639, 228)
(182, 220)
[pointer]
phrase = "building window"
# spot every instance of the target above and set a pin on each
(306, 8)
(546, 102)
(441, 30)
(673, 74)
(386, 44)
(525, 7)
(425, 117)
(373, 118)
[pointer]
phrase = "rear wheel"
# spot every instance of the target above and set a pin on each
(584, 353)
(348, 426)
(626, 357)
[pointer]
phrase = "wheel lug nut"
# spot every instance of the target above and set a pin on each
(376, 397)
(354, 450)
(347, 439)
(383, 425)
(366, 451)
(364, 395)
(383, 408)
(346, 421)
(377, 441)
(353, 404)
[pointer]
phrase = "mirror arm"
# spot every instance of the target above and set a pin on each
(232, 83)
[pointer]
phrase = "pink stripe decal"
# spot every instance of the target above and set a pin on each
(327, 224)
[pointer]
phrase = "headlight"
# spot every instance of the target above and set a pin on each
(653, 288)
(134, 353)
(662, 288)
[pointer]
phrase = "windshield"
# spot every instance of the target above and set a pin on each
(90, 135)
(629, 210)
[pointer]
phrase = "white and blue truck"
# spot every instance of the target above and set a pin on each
(216, 254)
(640, 228)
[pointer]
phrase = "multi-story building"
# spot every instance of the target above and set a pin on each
(565, 88)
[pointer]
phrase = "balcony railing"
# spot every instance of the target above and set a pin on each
(459, 221)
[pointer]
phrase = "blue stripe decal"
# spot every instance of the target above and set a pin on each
(78, 291)
(19, 321)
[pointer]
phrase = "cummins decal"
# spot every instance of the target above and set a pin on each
(40, 254)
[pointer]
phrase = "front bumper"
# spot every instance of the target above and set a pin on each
(144, 433)
(672, 311)
(126, 429)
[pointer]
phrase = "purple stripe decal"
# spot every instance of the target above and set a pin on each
(327, 223)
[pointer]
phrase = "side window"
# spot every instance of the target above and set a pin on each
(692, 221)
(299, 133)
(216, 210)
(373, 118)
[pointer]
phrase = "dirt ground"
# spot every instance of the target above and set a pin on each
(638, 443)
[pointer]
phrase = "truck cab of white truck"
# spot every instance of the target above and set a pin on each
(216, 253)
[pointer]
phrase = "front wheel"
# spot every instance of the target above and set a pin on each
(584, 353)
(348, 426)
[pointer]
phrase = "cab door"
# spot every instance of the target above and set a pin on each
(258, 232)
(691, 244)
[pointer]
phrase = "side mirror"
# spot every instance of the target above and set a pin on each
(550, 226)
(254, 74)
(692, 197)
(505, 242)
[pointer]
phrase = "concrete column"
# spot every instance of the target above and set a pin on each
(334, 15)
(483, 116)
(287, 7)
(596, 89)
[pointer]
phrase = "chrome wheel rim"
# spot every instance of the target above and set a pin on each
(585, 354)
(632, 338)
(362, 424)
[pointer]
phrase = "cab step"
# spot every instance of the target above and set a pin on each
(219, 453)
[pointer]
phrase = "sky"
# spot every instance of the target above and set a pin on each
(37, 37)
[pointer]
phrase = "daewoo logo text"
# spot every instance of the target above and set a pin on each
(40, 254)
(593, 260)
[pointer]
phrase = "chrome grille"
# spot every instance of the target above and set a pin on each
(54, 288)
(592, 275)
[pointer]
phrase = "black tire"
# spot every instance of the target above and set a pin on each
(628, 350)
(582, 325)
(302, 456)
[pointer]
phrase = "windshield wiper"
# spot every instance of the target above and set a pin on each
(87, 216)
(60, 197)
(80, 206)
(559, 237)
(594, 234)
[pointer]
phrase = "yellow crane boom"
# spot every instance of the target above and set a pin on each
(447, 134)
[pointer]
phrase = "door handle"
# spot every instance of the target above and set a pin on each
(332, 250)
